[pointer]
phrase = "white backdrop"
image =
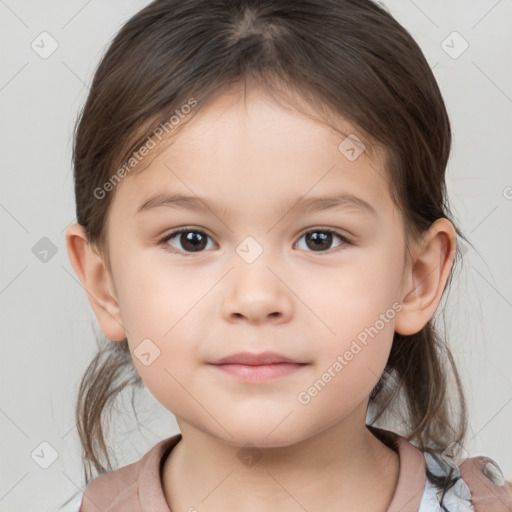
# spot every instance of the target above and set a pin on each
(47, 324)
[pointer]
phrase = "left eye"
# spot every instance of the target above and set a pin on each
(318, 239)
(192, 240)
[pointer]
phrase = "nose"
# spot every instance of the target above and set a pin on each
(256, 293)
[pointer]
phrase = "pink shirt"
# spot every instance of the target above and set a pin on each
(137, 487)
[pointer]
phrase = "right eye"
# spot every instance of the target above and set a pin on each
(190, 239)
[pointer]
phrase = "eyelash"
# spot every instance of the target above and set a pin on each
(168, 248)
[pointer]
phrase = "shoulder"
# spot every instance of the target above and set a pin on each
(479, 487)
(124, 488)
(108, 489)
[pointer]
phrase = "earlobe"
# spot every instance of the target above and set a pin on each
(426, 278)
(97, 282)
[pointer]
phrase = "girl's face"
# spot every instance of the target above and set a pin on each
(245, 276)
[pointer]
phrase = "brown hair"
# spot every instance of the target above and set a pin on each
(348, 58)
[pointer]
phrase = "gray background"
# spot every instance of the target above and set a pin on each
(47, 324)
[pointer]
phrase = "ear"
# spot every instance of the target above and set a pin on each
(97, 282)
(426, 276)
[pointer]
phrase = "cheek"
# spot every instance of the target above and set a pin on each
(160, 307)
(359, 306)
(346, 373)
(355, 296)
(155, 297)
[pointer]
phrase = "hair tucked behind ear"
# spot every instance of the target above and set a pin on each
(348, 58)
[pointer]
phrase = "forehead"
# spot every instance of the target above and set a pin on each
(248, 151)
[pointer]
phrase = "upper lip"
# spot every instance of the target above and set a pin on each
(251, 359)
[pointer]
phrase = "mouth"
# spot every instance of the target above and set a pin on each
(257, 367)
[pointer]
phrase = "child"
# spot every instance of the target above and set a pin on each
(222, 143)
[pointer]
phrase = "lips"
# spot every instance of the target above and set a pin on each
(256, 368)
(250, 359)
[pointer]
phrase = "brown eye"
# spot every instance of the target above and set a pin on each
(188, 240)
(321, 240)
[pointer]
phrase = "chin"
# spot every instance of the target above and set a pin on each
(261, 435)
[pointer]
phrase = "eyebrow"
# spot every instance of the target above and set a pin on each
(339, 201)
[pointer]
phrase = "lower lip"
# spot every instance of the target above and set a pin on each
(259, 373)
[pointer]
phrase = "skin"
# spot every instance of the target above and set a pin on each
(253, 156)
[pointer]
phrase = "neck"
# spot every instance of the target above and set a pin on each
(344, 467)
